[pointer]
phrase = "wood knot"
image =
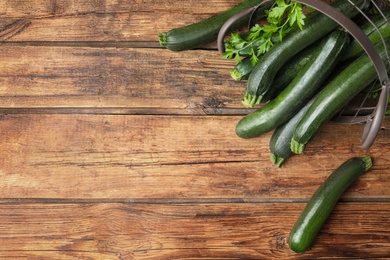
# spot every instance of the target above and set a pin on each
(13, 28)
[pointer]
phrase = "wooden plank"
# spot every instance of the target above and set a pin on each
(117, 81)
(111, 152)
(103, 20)
(121, 78)
(154, 231)
(105, 156)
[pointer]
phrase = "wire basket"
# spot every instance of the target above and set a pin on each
(371, 116)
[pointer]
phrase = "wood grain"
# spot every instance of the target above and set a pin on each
(114, 148)
(192, 157)
(121, 78)
(103, 20)
(155, 231)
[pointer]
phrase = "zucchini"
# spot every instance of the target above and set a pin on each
(279, 144)
(323, 201)
(242, 70)
(352, 80)
(286, 74)
(281, 138)
(317, 25)
(289, 71)
(197, 34)
(299, 91)
(381, 23)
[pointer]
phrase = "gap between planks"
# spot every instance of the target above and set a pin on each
(129, 111)
(100, 44)
(178, 201)
(90, 44)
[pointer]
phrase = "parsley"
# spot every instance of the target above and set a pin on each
(281, 18)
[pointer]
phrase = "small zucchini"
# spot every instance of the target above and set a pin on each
(299, 91)
(347, 84)
(197, 34)
(242, 70)
(317, 25)
(279, 144)
(323, 201)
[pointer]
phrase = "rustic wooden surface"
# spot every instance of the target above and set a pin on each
(114, 148)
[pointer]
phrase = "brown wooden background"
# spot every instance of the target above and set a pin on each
(114, 148)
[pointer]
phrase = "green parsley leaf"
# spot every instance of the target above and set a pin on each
(281, 19)
(278, 11)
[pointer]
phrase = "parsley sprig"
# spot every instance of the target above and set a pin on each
(281, 18)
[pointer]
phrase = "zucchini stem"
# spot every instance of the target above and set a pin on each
(162, 38)
(368, 162)
(235, 74)
(251, 100)
(297, 147)
(278, 161)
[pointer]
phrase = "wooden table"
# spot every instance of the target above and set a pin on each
(114, 148)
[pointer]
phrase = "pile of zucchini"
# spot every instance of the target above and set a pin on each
(303, 80)
(336, 71)
(299, 85)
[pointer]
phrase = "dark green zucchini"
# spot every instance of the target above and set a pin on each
(197, 34)
(316, 26)
(299, 91)
(289, 71)
(286, 74)
(381, 23)
(279, 144)
(352, 80)
(281, 138)
(323, 201)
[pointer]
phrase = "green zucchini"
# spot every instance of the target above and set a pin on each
(352, 80)
(317, 25)
(323, 201)
(299, 91)
(279, 144)
(197, 34)
(289, 71)
(286, 74)
(281, 138)
(242, 70)
(380, 22)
